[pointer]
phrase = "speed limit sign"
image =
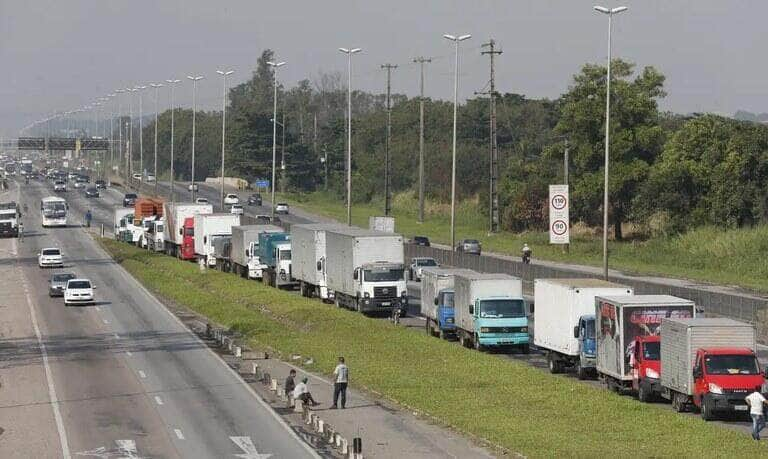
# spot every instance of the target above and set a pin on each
(559, 224)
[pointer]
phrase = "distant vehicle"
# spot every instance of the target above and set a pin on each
(129, 199)
(50, 257)
(58, 283)
(266, 220)
(137, 177)
(150, 178)
(201, 201)
(236, 209)
(193, 187)
(470, 246)
(231, 199)
(421, 240)
(281, 208)
(60, 186)
(92, 192)
(80, 183)
(9, 219)
(101, 184)
(414, 271)
(254, 199)
(78, 291)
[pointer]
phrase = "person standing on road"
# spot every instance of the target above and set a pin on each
(21, 232)
(290, 383)
(755, 400)
(340, 382)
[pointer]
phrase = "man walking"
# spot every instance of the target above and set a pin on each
(755, 400)
(341, 374)
(290, 383)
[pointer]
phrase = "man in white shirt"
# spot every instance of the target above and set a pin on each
(301, 392)
(755, 400)
(340, 381)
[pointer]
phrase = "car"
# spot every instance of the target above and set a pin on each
(137, 176)
(50, 257)
(254, 199)
(471, 246)
(58, 283)
(417, 263)
(80, 183)
(59, 186)
(230, 199)
(92, 192)
(236, 209)
(281, 208)
(150, 178)
(101, 184)
(78, 291)
(129, 199)
(201, 201)
(193, 187)
(267, 220)
(421, 240)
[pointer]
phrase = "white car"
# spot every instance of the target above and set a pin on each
(417, 263)
(201, 201)
(150, 178)
(236, 209)
(60, 186)
(78, 291)
(50, 257)
(281, 208)
(231, 199)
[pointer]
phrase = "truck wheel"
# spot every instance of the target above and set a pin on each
(462, 339)
(525, 349)
(581, 372)
(643, 394)
(554, 365)
(706, 411)
(477, 345)
(442, 334)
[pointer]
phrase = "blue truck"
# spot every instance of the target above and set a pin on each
(275, 256)
(437, 295)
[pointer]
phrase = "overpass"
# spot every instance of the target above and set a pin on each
(57, 144)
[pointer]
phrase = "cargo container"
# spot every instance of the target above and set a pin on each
(308, 259)
(146, 207)
(437, 296)
(245, 249)
(179, 229)
(208, 228)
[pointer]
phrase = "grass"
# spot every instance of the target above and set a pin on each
(718, 256)
(511, 404)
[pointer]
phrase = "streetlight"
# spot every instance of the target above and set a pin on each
(139, 89)
(194, 80)
(224, 74)
(130, 134)
(275, 66)
(111, 135)
(456, 40)
(609, 12)
(157, 87)
(349, 53)
(120, 153)
(171, 85)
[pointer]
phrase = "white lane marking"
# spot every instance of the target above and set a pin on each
(249, 449)
(128, 353)
(178, 433)
(126, 449)
(116, 336)
(48, 375)
(142, 374)
(98, 308)
(158, 400)
(105, 321)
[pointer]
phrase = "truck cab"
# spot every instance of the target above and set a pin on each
(187, 251)
(381, 287)
(501, 321)
(255, 266)
(645, 361)
(722, 378)
(585, 333)
(9, 219)
(282, 257)
(154, 235)
(446, 317)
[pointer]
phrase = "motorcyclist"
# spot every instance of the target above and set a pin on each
(527, 254)
(88, 218)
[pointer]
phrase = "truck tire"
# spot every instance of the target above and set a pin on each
(463, 339)
(525, 348)
(643, 394)
(553, 363)
(442, 334)
(706, 410)
(581, 372)
(476, 344)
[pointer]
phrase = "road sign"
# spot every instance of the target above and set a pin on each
(559, 220)
(261, 183)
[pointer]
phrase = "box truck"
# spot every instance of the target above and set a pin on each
(245, 249)
(209, 228)
(179, 228)
(621, 319)
(490, 311)
(365, 270)
(275, 254)
(437, 296)
(308, 259)
(564, 325)
(710, 364)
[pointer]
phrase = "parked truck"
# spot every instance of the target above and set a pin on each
(245, 249)
(308, 259)
(709, 364)
(9, 219)
(437, 295)
(147, 207)
(275, 256)
(621, 319)
(222, 252)
(154, 234)
(179, 228)
(366, 270)
(490, 311)
(564, 325)
(209, 228)
(645, 364)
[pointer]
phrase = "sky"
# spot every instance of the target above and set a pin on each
(60, 55)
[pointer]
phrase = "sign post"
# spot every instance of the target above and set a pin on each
(559, 220)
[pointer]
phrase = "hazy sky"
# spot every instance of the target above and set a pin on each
(61, 54)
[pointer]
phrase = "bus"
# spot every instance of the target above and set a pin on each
(54, 211)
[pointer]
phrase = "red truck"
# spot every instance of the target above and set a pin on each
(187, 249)
(645, 361)
(179, 229)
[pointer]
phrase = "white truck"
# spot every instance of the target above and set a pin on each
(564, 325)
(125, 229)
(178, 216)
(490, 311)
(436, 298)
(9, 219)
(208, 228)
(245, 249)
(308, 259)
(365, 270)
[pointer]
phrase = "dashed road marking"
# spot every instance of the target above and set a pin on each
(105, 321)
(116, 336)
(128, 353)
(98, 308)
(178, 433)
(158, 400)
(142, 374)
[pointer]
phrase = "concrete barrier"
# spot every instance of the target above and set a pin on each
(238, 351)
(273, 385)
(298, 406)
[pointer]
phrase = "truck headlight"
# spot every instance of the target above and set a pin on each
(651, 373)
(484, 329)
(715, 389)
(366, 295)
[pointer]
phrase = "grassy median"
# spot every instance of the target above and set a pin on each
(511, 404)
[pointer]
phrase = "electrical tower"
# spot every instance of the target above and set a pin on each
(421, 61)
(493, 192)
(387, 199)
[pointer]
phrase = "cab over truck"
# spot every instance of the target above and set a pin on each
(309, 259)
(245, 249)
(709, 364)
(564, 325)
(622, 319)
(275, 254)
(155, 234)
(366, 270)
(209, 228)
(437, 296)
(9, 219)
(645, 363)
(490, 311)
(179, 230)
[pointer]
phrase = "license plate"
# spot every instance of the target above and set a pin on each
(741, 407)
(386, 303)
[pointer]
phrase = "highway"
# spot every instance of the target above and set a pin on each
(122, 378)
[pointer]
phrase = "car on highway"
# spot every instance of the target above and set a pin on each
(129, 199)
(101, 184)
(91, 192)
(80, 183)
(60, 186)
(150, 178)
(50, 257)
(78, 291)
(137, 176)
(230, 199)
(201, 201)
(421, 240)
(237, 209)
(417, 263)
(192, 187)
(58, 283)
(281, 208)
(470, 246)
(254, 199)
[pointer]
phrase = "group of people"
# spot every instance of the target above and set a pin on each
(301, 392)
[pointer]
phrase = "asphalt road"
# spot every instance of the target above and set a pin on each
(122, 378)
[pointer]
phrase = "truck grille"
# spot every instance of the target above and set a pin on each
(385, 292)
(507, 329)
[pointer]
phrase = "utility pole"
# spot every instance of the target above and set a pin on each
(387, 200)
(493, 192)
(421, 61)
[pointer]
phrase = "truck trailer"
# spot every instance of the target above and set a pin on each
(179, 227)
(437, 296)
(209, 228)
(308, 259)
(245, 249)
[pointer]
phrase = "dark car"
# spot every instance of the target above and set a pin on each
(471, 246)
(58, 283)
(129, 199)
(254, 199)
(91, 192)
(101, 184)
(421, 240)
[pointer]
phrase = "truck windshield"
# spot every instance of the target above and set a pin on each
(652, 351)
(502, 309)
(383, 275)
(589, 329)
(731, 365)
(285, 254)
(447, 299)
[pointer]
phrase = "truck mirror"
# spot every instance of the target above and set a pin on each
(435, 301)
(247, 254)
(354, 276)
(765, 373)
(181, 232)
(319, 265)
(471, 309)
(697, 373)
(205, 239)
(576, 331)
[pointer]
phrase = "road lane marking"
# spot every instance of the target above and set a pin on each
(116, 336)
(105, 321)
(158, 400)
(98, 308)
(142, 374)
(249, 449)
(178, 433)
(128, 353)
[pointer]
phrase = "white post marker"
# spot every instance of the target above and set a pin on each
(559, 220)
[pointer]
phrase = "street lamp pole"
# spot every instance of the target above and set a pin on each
(609, 12)
(456, 40)
(171, 85)
(349, 53)
(275, 66)
(224, 74)
(130, 134)
(120, 153)
(194, 80)
(157, 87)
(140, 89)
